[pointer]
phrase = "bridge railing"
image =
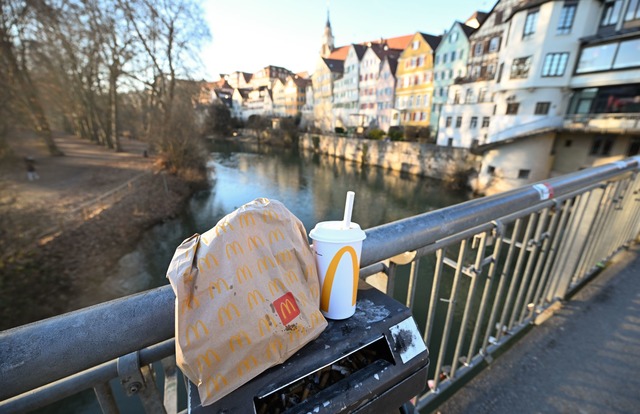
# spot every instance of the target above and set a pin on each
(477, 275)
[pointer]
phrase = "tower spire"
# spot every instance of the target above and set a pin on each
(327, 38)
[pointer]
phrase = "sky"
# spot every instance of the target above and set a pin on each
(248, 35)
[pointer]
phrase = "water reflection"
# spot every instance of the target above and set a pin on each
(312, 187)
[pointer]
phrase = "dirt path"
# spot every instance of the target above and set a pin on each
(39, 276)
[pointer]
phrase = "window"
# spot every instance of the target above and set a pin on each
(601, 145)
(498, 18)
(416, 44)
(478, 49)
(458, 122)
(524, 174)
(418, 100)
(634, 147)
(494, 44)
(512, 108)
(420, 60)
(628, 54)
(596, 58)
(468, 98)
(520, 67)
(530, 23)
(491, 170)
(474, 122)
(633, 11)
(568, 142)
(542, 108)
(453, 55)
(448, 122)
(611, 13)
(456, 98)
(450, 142)
(445, 57)
(438, 60)
(453, 37)
(555, 64)
(485, 122)
(567, 14)
(482, 95)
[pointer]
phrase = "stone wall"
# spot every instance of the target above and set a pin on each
(445, 163)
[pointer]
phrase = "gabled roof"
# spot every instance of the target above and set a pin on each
(400, 42)
(480, 16)
(304, 75)
(334, 65)
(339, 53)
(432, 41)
(243, 92)
(393, 63)
(247, 76)
(467, 30)
(300, 81)
(360, 50)
(382, 50)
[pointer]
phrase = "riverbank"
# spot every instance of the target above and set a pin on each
(43, 270)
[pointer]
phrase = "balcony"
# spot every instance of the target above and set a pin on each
(611, 122)
(470, 79)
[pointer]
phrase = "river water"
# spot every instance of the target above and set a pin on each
(312, 187)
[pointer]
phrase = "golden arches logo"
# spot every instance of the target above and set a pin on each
(267, 322)
(264, 263)
(246, 364)
(207, 359)
(252, 298)
(276, 286)
(243, 272)
(237, 340)
(269, 215)
(217, 381)
(193, 328)
(246, 220)
(314, 291)
(222, 227)
(208, 261)
(294, 334)
(217, 285)
(253, 242)
(327, 286)
(283, 257)
(226, 310)
(316, 318)
(291, 277)
(234, 247)
(190, 302)
(275, 235)
(274, 347)
(302, 297)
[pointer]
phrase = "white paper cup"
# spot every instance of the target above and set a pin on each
(337, 252)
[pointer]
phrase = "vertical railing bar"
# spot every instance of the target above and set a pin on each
(104, 395)
(628, 213)
(516, 274)
(149, 394)
(607, 245)
(542, 260)
(450, 312)
(594, 236)
(578, 211)
(435, 291)
(488, 285)
(542, 222)
(413, 281)
(603, 210)
(501, 285)
(391, 279)
(477, 271)
(556, 236)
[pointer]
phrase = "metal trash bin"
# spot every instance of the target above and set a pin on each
(373, 362)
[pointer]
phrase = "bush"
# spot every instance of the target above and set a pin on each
(376, 134)
(396, 133)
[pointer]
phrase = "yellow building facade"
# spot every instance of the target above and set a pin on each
(414, 87)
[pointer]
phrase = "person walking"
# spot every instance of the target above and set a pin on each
(31, 168)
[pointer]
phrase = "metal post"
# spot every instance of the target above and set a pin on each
(501, 286)
(450, 311)
(413, 281)
(105, 398)
(435, 293)
(476, 272)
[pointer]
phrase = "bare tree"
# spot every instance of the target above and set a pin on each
(15, 17)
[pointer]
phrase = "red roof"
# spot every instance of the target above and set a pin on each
(339, 53)
(400, 42)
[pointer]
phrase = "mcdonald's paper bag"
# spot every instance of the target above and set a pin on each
(247, 297)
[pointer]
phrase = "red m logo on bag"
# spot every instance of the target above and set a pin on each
(287, 308)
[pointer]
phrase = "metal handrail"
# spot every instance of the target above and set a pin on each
(549, 216)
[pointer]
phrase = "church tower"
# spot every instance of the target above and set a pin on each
(327, 39)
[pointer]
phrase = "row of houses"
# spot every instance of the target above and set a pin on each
(536, 88)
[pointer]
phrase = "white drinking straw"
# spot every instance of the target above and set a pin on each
(348, 209)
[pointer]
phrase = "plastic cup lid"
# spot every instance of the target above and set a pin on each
(334, 232)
